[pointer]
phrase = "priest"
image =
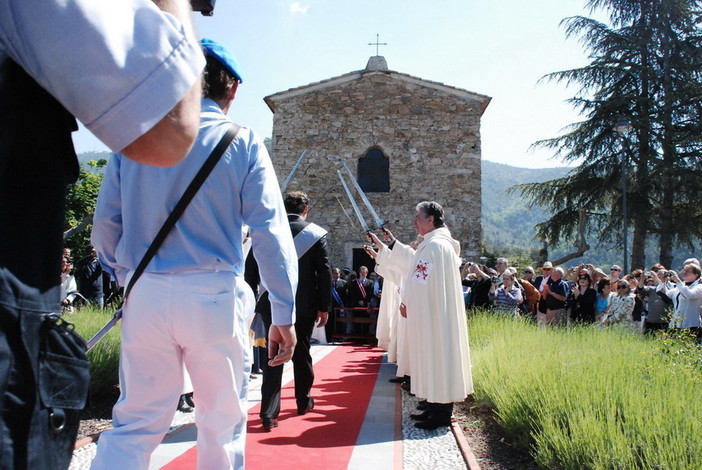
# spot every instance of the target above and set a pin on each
(432, 303)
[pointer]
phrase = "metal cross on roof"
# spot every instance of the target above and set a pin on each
(377, 43)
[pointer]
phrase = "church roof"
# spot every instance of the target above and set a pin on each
(376, 65)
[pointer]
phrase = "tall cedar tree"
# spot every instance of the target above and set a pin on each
(646, 66)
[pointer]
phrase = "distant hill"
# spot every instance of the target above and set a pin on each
(506, 220)
(508, 225)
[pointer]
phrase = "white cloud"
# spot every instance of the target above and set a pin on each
(297, 8)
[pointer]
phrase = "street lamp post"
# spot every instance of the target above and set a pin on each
(622, 126)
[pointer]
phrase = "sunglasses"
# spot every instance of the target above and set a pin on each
(583, 279)
(528, 272)
(546, 269)
(622, 287)
(614, 269)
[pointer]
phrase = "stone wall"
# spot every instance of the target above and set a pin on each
(431, 137)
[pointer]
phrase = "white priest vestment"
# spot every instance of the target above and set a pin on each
(391, 329)
(436, 320)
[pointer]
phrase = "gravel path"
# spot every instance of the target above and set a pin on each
(423, 449)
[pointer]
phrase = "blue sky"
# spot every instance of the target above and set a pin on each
(499, 48)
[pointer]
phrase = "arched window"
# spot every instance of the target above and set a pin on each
(374, 172)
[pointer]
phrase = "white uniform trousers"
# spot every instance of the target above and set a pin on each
(199, 320)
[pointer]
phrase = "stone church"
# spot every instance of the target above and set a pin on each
(405, 139)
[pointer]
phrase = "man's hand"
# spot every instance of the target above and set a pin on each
(322, 318)
(374, 239)
(281, 344)
(387, 235)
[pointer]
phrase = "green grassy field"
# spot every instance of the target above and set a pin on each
(586, 398)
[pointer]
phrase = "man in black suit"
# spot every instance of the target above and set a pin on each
(540, 282)
(312, 302)
(359, 291)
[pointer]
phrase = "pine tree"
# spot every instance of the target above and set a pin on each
(646, 67)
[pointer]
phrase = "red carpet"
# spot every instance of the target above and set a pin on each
(326, 436)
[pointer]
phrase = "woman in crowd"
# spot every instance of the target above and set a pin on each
(656, 317)
(687, 297)
(68, 286)
(507, 296)
(529, 276)
(639, 305)
(604, 298)
(583, 299)
(481, 286)
(622, 306)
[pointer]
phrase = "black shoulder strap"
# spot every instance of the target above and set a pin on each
(182, 204)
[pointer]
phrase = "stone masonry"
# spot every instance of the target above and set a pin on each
(429, 131)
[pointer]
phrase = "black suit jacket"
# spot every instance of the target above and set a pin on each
(314, 275)
(314, 278)
(340, 288)
(354, 295)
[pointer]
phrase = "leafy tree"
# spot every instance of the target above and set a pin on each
(645, 66)
(80, 206)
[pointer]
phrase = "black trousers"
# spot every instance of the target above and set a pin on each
(441, 410)
(650, 327)
(302, 369)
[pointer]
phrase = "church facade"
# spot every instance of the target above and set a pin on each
(405, 140)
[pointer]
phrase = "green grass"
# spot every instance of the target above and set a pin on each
(104, 357)
(585, 398)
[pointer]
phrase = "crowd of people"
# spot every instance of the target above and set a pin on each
(85, 283)
(354, 295)
(646, 300)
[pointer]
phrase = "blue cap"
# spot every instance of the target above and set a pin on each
(223, 55)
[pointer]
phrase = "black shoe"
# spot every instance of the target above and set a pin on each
(397, 380)
(406, 387)
(423, 405)
(433, 422)
(183, 406)
(306, 409)
(269, 424)
(189, 399)
(423, 416)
